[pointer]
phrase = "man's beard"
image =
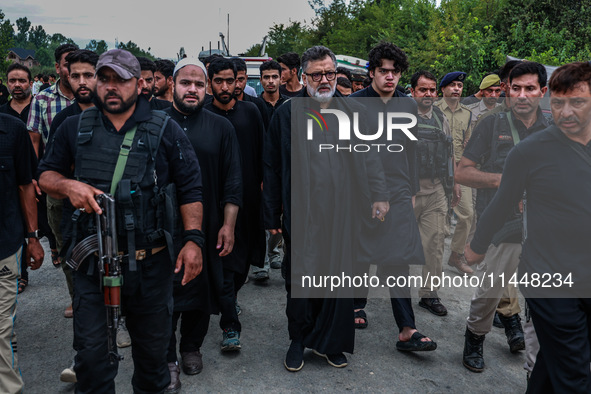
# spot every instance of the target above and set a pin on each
(21, 95)
(65, 83)
(184, 107)
(87, 99)
(324, 96)
(147, 94)
(123, 105)
(160, 92)
(226, 100)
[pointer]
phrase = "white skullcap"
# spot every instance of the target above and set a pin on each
(188, 62)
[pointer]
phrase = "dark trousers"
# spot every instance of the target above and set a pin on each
(399, 296)
(233, 282)
(563, 329)
(147, 300)
(194, 325)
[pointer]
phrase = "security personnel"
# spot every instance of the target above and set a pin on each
(492, 141)
(490, 90)
(459, 117)
(436, 169)
(159, 155)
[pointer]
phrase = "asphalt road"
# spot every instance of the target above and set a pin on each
(45, 348)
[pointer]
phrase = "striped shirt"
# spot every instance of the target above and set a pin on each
(44, 107)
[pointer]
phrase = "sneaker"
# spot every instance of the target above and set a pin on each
(337, 360)
(294, 359)
(276, 265)
(123, 338)
(434, 306)
(230, 340)
(68, 375)
(459, 262)
(261, 276)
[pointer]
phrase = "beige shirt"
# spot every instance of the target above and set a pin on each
(459, 122)
(478, 110)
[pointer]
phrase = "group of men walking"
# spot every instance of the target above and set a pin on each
(228, 166)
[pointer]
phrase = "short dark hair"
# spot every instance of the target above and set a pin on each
(64, 48)
(270, 65)
(506, 69)
(344, 82)
(422, 73)
(46, 78)
(525, 68)
(240, 64)
(40, 76)
(82, 56)
(220, 64)
(146, 64)
(52, 76)
(317, 52)
(389, 51)
(346, 71)
(18, 66)
(211, 58)
(164, 66)
(291, 60)
(566, 77)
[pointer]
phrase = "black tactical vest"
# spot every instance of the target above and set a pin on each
(137, 193)
(434, 148)
(502, 142)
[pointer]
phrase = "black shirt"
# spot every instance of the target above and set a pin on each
(3, 94)
(159, 104)
(558, 210)
(17, 166)
(175, 160)
(283, 90)
(270, 107)
(260, 103)
(7, 109)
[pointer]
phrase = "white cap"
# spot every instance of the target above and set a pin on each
(187, 62)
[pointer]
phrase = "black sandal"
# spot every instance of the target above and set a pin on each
(415, 344)
(22, 285)
(360, 314)
(55, 259)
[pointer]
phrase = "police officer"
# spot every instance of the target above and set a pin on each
(490, 90)
(160, 155)
(436, 168)
(493, 138)
(459, 117)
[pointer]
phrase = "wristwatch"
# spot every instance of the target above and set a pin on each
(34, 234)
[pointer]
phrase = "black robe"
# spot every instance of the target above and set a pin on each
(216, 146)
(249, 246)
(319, 195)
(396, 240)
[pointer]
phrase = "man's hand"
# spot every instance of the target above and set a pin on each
(457, 195)
(225, 239)
(472, 257)
(34, 254)
(379, 209)
(191, 257)
(82, 195)
(37, 188)
(275, 231)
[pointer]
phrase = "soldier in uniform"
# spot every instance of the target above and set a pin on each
(493, 138)
(459, 117)
(159, 155)
(490, 89)
(436, 169)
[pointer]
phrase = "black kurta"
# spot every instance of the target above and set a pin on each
(396, 240)
(249, 246)
(216, 146)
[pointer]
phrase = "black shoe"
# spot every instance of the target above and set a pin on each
(514, 332)
(294, 359)
(434, 306)
(175, 382)
(473, 345)
(337, 360)
(192, 362)
(497, 322)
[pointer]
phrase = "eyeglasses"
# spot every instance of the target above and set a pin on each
(317, 77)
(219, 81)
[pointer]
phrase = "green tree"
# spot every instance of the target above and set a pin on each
(22, 25)
(38, 38)
(290, 38)
(6, 41)
(97, 46)
(136, 50)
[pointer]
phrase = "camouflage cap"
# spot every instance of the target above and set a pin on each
(122, 62)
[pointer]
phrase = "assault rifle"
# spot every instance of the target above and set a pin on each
(104, 243)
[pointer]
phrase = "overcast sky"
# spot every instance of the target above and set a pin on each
(165, 25)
